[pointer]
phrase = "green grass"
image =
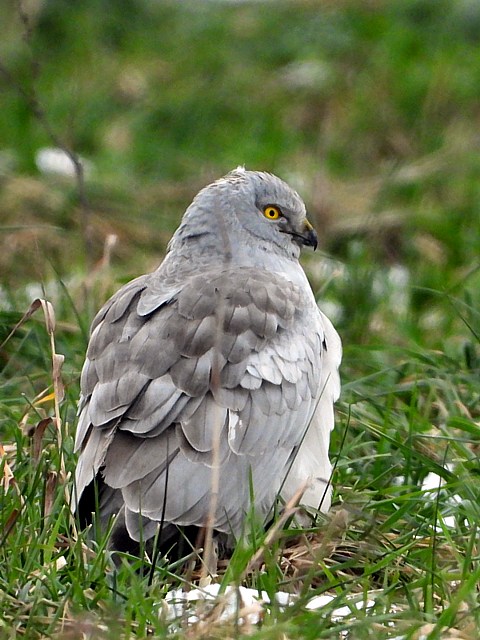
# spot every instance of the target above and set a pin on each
(371, 111)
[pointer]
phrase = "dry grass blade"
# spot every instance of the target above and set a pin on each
(209, 566)
(7, 476)
(50, 490)
(36, 304)
(38, 432)
(290, 509)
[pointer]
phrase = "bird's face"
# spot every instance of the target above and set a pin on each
(270, 211)
(246, 209)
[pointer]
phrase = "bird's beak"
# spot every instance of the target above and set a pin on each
(303, 235)
(308, 237)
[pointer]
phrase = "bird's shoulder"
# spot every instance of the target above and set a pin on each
(234, 299)
(245, 325)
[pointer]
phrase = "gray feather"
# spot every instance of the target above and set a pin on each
(200, 428)
(130, 458)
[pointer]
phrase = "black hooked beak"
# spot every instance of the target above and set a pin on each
(308, 237)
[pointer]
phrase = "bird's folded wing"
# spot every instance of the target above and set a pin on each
(235, 353)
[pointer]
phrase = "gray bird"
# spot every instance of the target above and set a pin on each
(217, 367)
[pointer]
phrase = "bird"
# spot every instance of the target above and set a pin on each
(208, 388)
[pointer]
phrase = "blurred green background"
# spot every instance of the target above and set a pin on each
(370, 109)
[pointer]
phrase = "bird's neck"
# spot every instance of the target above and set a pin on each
(187, 255)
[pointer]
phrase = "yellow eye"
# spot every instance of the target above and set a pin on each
(271, 212)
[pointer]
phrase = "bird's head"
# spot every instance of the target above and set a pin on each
(250, 208)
